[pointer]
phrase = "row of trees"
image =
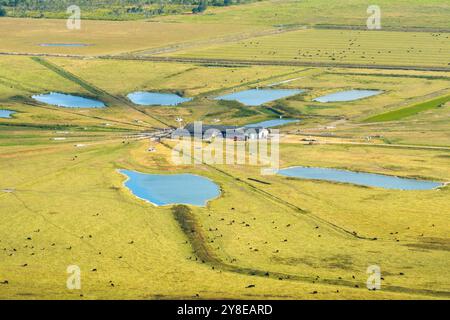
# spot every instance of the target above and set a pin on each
(60, 4)
(120, 9)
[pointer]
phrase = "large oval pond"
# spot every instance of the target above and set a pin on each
(272, 123)
(350, 95)
(256, 97)
(6, 113)
(68, 100)
(359, 178)
(156, 99)
(168, 189)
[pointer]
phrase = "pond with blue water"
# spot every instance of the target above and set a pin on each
(169, 189)
(359, 178)
(63, 45)
(350, 95)
(156, 99)
(272, 123)
(256, 97)
(68, 100)
(6, 113)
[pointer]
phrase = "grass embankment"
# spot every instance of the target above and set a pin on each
(63, 73)
(409, 111)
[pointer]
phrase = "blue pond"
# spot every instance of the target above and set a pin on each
(6, 113)
(68, 101)
(167, 189)
(156, 99)
(350, 95)
(63, 45)
(272, 123)
(256, 97)
(359, 178)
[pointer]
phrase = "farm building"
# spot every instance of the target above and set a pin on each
(209, 132)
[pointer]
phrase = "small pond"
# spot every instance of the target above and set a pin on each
(272, 123)
(359, 178)
(168, 189)
(68, 100)
(6, 113)
(256, 97)
(156, 99)
(63, 45)
(350, 95)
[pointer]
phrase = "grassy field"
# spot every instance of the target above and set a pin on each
(404, 14)
(63, 202)
(337, 46)
(204, 83)
(82, 223)
(104, 37)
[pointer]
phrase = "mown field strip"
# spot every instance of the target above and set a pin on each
(345, 46)
(405, 112)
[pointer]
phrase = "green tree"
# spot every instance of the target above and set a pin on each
(2, 12)
(201, 7)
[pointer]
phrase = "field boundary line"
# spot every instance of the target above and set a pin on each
(234, 62)
(240, 62)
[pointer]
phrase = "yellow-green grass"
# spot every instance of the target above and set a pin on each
(103, 37)
(23, 77)
(71, 203)
(416, 219)
(429, 128)
(425, 130)
(337, 46)
(402, 14)
(409, 111)
(75, 210)
(397, 90)
(191, 79)
(204, 81)
(201, 82)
